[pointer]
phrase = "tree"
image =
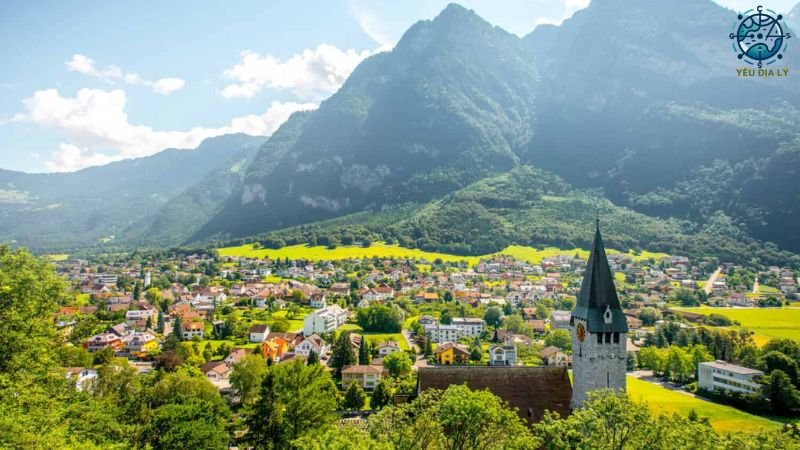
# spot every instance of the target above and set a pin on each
(177, 328)
(354, 397)
(280, 325)
(493, 316)
(137, 291)
(476, 353)
(247, 375)
(294, 399)
(559, 338)
(30, 295)
(471, 419)
(313, 358)
(381, 318)
(208, 354)
(775, 360)
(397, 363)
(343, 353)
(428, 348)
(104, 356)
(294, 309)
(446, 318)
(649, 316)
(382, 395)
(187, 425)
(783, 396)
(363, 352)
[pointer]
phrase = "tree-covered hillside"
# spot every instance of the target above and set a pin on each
(528, 206)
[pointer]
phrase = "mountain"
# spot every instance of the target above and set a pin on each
(452, 103)
(97, 204)
(668, 129)
(793, 18)
(628, 97)
(528, 206)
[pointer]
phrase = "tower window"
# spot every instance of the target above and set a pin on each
(599, 338)
(608, 337)
(616, 338)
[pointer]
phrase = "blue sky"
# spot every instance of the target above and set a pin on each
(89, 82)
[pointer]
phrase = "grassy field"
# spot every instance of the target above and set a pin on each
(295, 324)
(57, 257)
(377, 338)
(724, 419)
(767, 323)
(379, 249)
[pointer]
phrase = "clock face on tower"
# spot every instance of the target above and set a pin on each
(581, 332)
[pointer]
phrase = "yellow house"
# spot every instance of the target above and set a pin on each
(451, 353)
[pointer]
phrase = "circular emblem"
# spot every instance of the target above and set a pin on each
(759, 37)
(581, 332)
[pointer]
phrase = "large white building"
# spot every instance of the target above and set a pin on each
(728, 377)
(324, 320)
(470, 326)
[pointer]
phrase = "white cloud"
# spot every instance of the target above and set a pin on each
(312, 74)
(97, 130)
(110, 74)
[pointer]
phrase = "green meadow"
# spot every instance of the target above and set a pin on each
(767, 323)
(383, 250)
(724, 419)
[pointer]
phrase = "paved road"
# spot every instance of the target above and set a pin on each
(710, 283)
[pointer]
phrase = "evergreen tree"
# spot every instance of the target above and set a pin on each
(176, 328)
(207, 353)
(137, 291)
(354, 397)
(382, 395)
(363, 352)
(343, 353)
(428, 348)
(313, 358)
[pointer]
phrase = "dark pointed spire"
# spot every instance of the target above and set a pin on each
(598, 292)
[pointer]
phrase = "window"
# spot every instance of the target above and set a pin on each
(616, 338)
(608, 337)
(599, 338)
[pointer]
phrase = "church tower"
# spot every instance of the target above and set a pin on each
(599, 330)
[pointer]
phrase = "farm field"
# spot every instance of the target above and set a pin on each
(767, 323)
(724, 419)
(379, 249)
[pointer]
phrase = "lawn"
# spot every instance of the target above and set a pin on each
(380, 249)
(57, 257)
(295, 324)
(767, 323)
(723, 418)
(377, 338)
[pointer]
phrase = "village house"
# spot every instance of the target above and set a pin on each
(82, 376)
(317, 301)
(235, 356)
(451, 353)
(216, 370)
(554, 356)
(312, 343)
(366, 376)
(503, 355)
(387, 348)
(259, 332)
(101, 341)
(192, 329)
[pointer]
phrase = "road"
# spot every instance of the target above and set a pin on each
(709, 287)
(756, 286)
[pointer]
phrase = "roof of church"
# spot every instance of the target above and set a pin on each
(598, 293)
(531, 390)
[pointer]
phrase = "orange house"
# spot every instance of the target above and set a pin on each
(274, 348)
